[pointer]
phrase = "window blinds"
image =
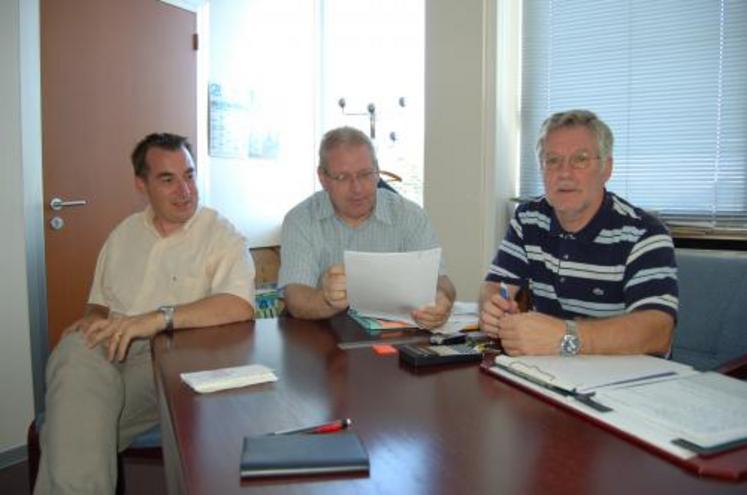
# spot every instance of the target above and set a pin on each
(669, 77)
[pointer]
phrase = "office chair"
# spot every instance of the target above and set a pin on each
(711, 332)
(385, 178)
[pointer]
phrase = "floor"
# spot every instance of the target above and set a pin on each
(143, 477)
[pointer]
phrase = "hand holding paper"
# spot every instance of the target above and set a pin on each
(391, 285)
(435, 315)
(333, 287)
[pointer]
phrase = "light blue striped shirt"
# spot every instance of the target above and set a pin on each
(314, 238)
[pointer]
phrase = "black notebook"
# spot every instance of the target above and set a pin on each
(302, 454)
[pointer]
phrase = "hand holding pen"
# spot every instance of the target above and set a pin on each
(331, 427)
(511, 306)
(494, 307)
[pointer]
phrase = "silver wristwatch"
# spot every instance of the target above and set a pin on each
(168, 318)
(570, 344)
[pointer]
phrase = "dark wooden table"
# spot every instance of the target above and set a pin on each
(446, 431)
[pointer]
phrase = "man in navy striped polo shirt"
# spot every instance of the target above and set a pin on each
(601, 272)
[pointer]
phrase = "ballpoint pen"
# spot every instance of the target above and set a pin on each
(504, 291)
(331, 427)
(505, 294)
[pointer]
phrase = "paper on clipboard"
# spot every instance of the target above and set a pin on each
(391, 285)
(589, 373)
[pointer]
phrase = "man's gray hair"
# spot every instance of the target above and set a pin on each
(345, 136)
(571, 118)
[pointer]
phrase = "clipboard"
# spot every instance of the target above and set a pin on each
(731, 465)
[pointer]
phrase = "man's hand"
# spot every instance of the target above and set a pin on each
(117, 332)
(83, 324)
(530, 333)
(433, 315)
(493, 309)
(334, 287)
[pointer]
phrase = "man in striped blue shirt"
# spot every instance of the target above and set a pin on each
(601, 273)
(351, 213)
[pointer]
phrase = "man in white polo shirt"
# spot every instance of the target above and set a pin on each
(174, 265)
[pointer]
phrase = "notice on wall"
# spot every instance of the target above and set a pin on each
(237, 128)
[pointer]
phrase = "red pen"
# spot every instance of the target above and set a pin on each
(331, 427)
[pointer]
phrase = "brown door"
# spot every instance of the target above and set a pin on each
(112, 71)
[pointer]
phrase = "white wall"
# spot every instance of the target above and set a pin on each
(16, 394)
(466, 186)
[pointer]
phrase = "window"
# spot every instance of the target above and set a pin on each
(670, 79)
(262, 134)
(278, 70)
(373, 57)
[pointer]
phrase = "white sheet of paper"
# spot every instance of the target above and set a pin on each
(705, 408)
(391, 285)
(463, 315)
(226, 378)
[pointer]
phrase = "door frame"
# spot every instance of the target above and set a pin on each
(33, 191)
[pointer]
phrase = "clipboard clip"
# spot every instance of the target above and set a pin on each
(545, 379)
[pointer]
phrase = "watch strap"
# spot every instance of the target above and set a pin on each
(168, 318)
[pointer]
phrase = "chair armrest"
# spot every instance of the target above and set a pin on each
(390, 176)
(736, 368)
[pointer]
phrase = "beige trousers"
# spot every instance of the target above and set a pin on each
(94, 409)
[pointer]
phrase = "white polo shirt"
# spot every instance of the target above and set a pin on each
(138, 270)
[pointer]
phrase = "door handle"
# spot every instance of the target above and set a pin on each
(57, 204)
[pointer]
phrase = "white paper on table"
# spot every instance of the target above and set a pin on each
(463, 315)
(226, 378)
(391, 285)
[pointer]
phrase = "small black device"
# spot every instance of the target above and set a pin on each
(448, 339)
(427, 355)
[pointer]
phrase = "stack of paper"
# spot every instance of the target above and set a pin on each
(225, 378)
(464, 316)
(377, 324)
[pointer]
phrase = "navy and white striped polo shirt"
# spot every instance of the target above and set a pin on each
(622, 261)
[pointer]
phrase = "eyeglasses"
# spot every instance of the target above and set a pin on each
(578, 161)
(366, 176)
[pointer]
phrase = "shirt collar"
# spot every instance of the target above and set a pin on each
(148, 219)
(383, 209)
(591, 230)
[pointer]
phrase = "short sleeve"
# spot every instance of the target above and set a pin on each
(421, 234)
(97, 294)
(297, 261)
(651, 273)
(234, 271)
(510, 263)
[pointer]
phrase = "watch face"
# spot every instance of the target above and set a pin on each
(570, 345)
